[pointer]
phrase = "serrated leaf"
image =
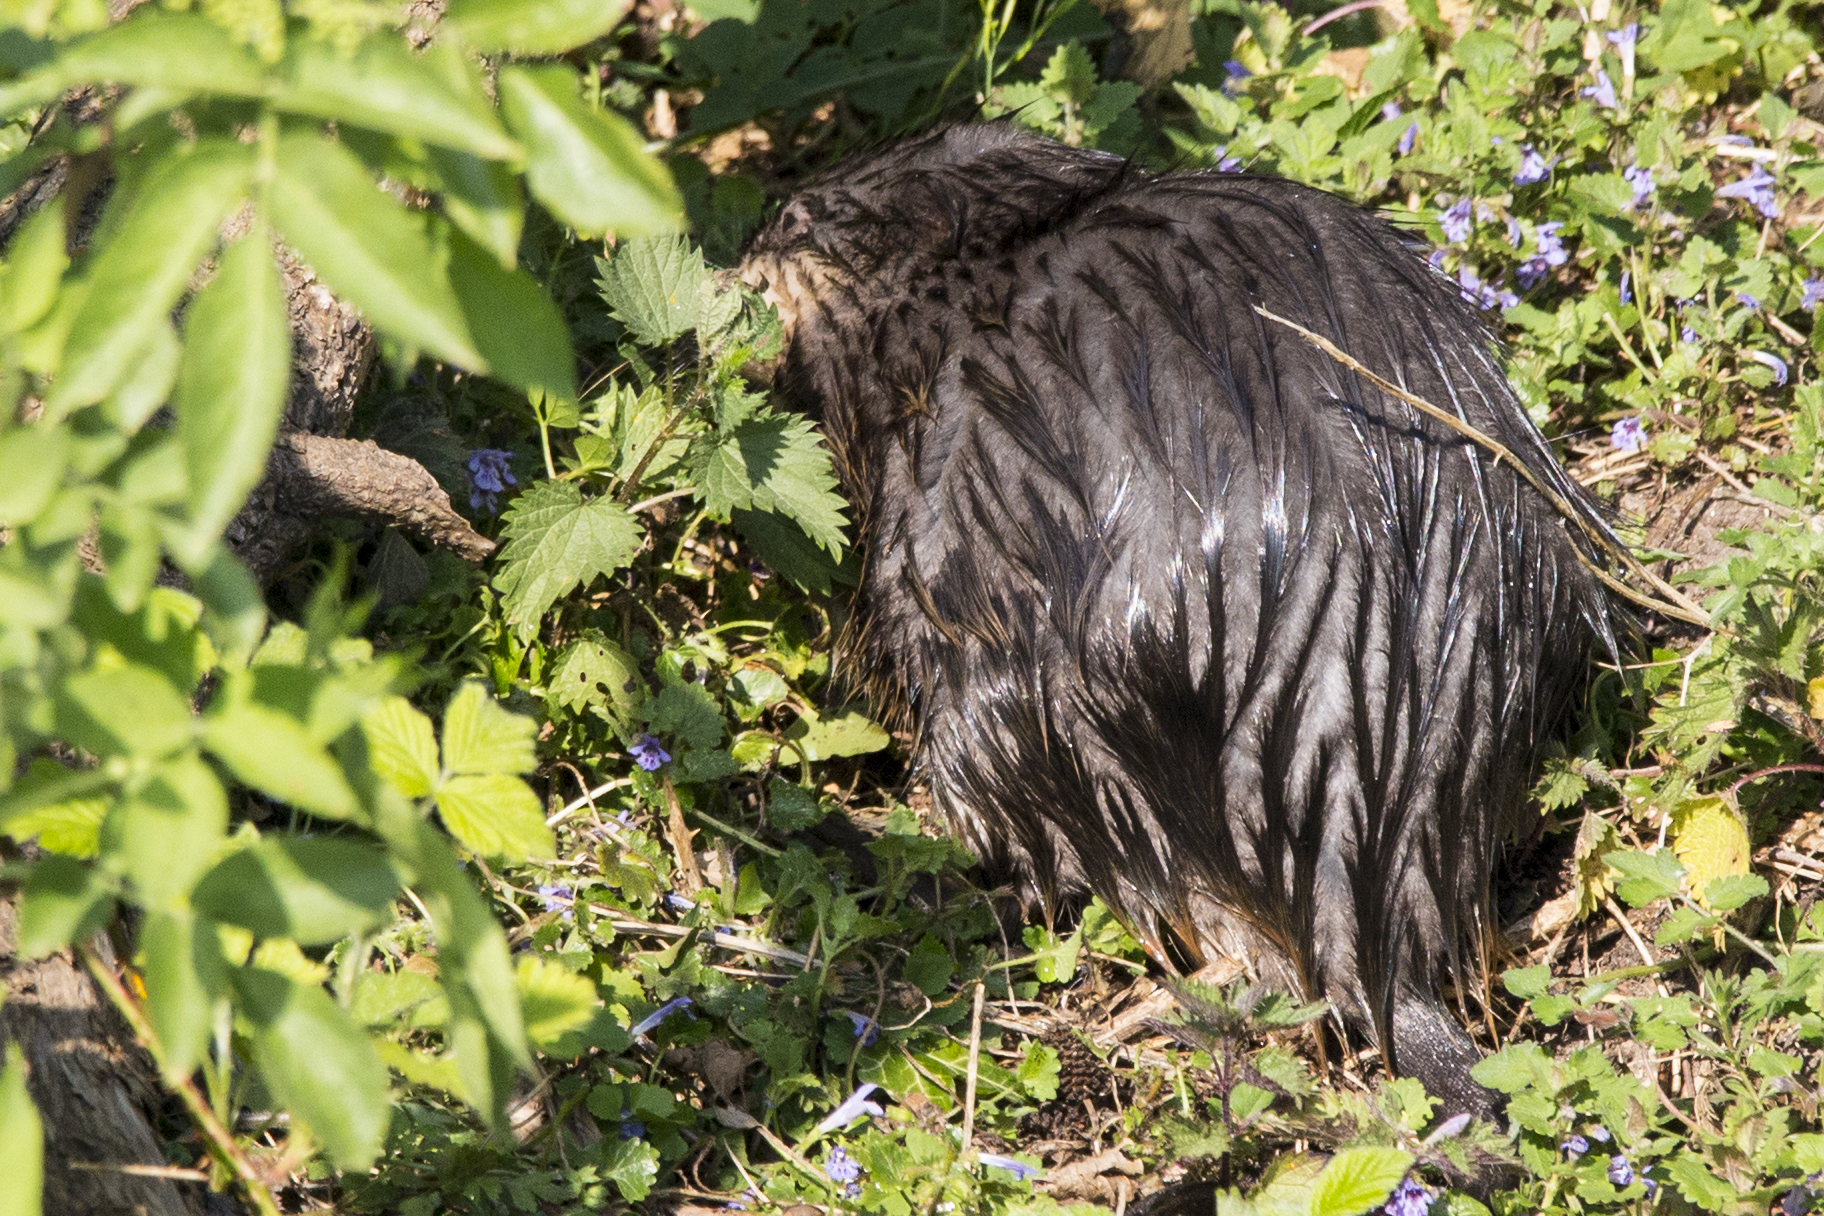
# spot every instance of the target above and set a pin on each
(1527, 982)
(784, 547)
(1645, 876)
(1697, 1184)
(231, 385)
(496, 815)
(310, 889)
(481, 737)
(1357, 1179)
(384, 87)
(1712, 843)
(588, 166)
(775, 462)
(532, 27)
(318, 1064)
(21, 1140)
(136, 278)
(1731, 891)
(368, 248)
(556, 543)
(555, 999)
(655, 286)
(633, 1167)
(401, 746)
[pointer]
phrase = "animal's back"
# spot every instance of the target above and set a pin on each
(1184, 611)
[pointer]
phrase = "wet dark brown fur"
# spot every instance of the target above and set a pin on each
(1183, 612)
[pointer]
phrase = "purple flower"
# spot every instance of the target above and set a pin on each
(1020, 1170)
(1533, 167)
(1410, 1198)
(555, 898)
(853, 1107)
(1410, 138)
(1772, 362)
(1575, 1146)
(1514, 235)
(1483, 295)
(1436, 260)
(1687, 334)
(1456, 222)
(1621, 1174)
(1599, 1133)
(1623, 41)
(1628, 435)
(1237, 74)
(650, 1021)
(1602, 92)
(1390, 111)
(1756, 190)
(1746, 300)
(1551, 245)
(1641, 180)
(648, 754)
(1652, 1186)
(1627, 296)
(840, 1167)
(631, 1128)
(1531, 273)
(865, 1028)
(1795, 1202)
(488, 476)
(1226, 163)
(681, 903)
(1814, 294)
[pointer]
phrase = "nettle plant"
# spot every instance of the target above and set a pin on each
(129, 439)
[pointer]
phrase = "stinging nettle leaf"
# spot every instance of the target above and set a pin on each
(532, 27)
(368, 248)
(136, 279)
(588, 166)
(556, 543)
(1357, 1179)
(231, 385)
(655, 286)
(776, 462)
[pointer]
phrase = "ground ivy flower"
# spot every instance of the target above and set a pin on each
(853, 1107)
(555, 898)
(1533, 167)
(1551, 244)
(1602, 92)
(1456, 222)
(1483, 295)
(1772, 362)
(1410, 138)
(1756, 190)
(648, 754)
(1600, 1134)
(1237, 74)
(651, 1021)
(1226, 163)
(1627, 295)
(1628, 435)
(1575, 1146)
(1623, 41)
(1621, 1174)
(1020, 1170)
(1391, 111)
(488, 476)
(1640, 180)
(1814, 294)
(631, 1128)
(840, 1167)
(865, 1028)
(1746, 300)
(1687, 334)
(1514, 235)
(1410, 1198)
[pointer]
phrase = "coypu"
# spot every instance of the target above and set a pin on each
(1183, 611)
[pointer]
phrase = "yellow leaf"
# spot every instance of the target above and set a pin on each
(1595, 881)
(1816, 689)
(1712, 842)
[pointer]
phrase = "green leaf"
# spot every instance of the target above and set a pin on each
(654, 286)
(311, 889)
(32, 459)
(1357, 1179)
(368, 248)
(401, 746)
(845, 734)
(163, 835)
(633, 1167)
(231, 385)
(481, 737)
(273, 752)
(126, 710)
(318, 1064)
(783, 546)
(928, 966)
(496, 815)
(1645, 876)
(1699, 1185)
(587, 166)
(556, 543)
(775, 462)
(34, 270)
(1527, 983)
(532, 27)
(1731, 891)
(383, 997)
(519, 330)
(484, 199)
(595, 671)
(689, 712)
(556, 1000)
(383, 86)
(21, 1141)
(172, 52)
(1056, 959)
(63, 900)
(178, 951)
(170, 222)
